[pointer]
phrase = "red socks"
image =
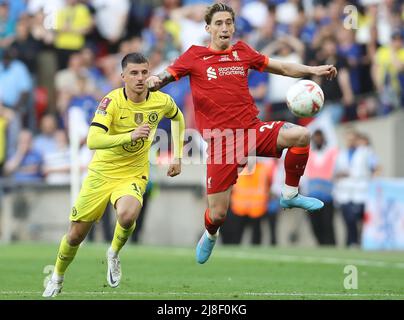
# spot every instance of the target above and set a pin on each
(212, 228)
(295, 163)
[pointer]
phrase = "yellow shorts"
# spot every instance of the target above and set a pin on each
(96, 191)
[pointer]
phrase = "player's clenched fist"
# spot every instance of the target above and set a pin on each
(141, 132)
(174, 169)
(153, 83)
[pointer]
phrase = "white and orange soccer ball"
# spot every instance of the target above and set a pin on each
(305, 98)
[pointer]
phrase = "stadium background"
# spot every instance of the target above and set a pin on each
(50, 75)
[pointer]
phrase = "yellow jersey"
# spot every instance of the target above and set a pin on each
(75, 17)
(385, 60)
(118, 115)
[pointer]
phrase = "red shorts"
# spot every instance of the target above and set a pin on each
(228, 155)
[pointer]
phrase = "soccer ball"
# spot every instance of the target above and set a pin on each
(305, 98)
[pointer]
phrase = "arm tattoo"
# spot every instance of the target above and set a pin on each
(165, 77)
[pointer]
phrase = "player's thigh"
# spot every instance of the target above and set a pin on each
(292, 135)
(92, 200)
(128, 207)
(127, 197)
(267, 135)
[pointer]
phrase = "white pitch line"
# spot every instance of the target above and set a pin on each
(258, 294)
(303, 259)
(308, 259)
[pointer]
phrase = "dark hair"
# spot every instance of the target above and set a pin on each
(134, 57)
(318, 132)
(217, 7)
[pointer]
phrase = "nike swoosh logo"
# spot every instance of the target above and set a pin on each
(208, 57)
(110, 278)
(123, 118)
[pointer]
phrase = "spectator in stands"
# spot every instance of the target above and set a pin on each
(190, 20)
(16, 92)
(163, 35)
(288, 49)
(164, 10)
(338, 92)
(67, 82)
(26, 46)
(355, 167)
(45, 6)
(116, 13)
(17, 8)
(7, 27)
(319, 176)
(25, 164)
(39, 23)
(256, 13)
(260, 37)
(351, 51)
(56, 162)
(73, 22)
(388, 73)
(46, 141)
(374, 161)
(95, 74)
(6, 115)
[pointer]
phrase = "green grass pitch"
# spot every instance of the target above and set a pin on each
(171, 273)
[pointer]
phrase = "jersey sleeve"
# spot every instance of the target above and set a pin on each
(171, 108)
(104, 113)
(257, 60)
(182, 65)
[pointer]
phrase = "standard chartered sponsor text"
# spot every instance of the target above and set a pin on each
(228, 71)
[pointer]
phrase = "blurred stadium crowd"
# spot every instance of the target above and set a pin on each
(60, 55)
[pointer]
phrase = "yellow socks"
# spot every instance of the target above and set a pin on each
(65, 256)
(121, 235)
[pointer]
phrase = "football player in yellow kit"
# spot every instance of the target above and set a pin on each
(121, 132)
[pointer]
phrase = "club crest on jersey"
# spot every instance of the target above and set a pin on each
(104, 104)
(138, 118)
(153, 117)
(235, 56)
(134, 146)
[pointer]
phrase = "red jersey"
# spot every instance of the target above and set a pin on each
(219, 84)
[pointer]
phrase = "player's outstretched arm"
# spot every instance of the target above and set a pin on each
(177, 133)
(156, 82)
(296, 70)
(98, 138)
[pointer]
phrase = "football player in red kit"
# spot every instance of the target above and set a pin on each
(226, 117)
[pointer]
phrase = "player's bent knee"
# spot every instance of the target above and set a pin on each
(305, 137)
(127, 217)
(218, 214)
(298, 136)
(74, 238)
